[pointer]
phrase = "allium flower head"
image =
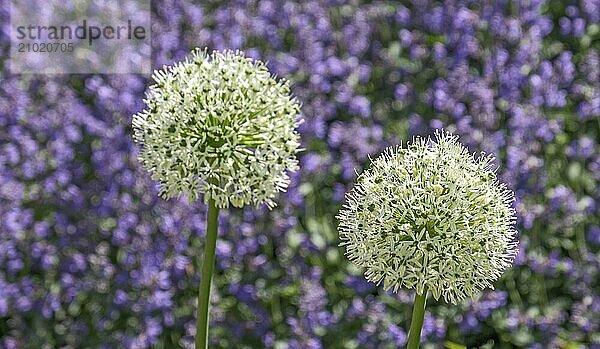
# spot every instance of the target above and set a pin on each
(220, 125)
(430, 216)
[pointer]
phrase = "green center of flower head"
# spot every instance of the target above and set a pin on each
(214, 134)
(206, 136)
(220, 125)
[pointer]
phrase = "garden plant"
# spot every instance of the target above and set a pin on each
(91, 256)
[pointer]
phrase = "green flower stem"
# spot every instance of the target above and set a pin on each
(416, 324)
(208, 267)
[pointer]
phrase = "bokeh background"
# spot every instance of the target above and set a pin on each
(90, 257)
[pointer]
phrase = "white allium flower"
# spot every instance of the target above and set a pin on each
(220, 125)
(430, 216)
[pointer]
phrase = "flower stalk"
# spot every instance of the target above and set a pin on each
(208, 267)
(416, 323)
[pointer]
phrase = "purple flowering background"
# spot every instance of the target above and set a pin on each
(90, 257)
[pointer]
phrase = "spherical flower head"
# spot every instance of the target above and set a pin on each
(219, 125)
(430, 216)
